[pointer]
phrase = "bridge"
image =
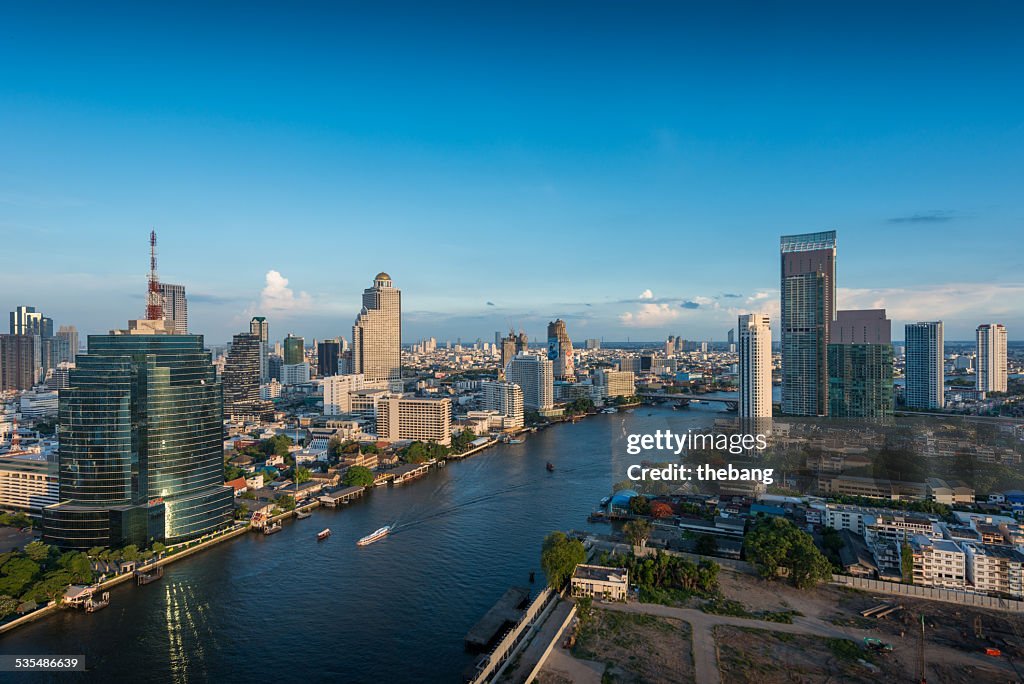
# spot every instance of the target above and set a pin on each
(684, 400)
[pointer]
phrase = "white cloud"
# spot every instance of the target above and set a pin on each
(646, 294)
(277, 296)
(650, 316)
(967, 302)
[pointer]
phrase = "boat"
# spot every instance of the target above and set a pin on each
(92, 605)
(272, 529)
(516, 441)
(302, 515)
(323, 534)
(551, 467)
(376, 535)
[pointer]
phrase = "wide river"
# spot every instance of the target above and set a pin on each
(286, 608)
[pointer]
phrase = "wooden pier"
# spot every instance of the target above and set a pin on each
(143, 578)
(404, 473)
(341, 496)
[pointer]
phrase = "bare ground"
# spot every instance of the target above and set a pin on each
(638, 648)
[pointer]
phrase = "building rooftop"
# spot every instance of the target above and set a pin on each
(599, 573)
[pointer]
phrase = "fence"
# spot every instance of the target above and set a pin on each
(930, 593)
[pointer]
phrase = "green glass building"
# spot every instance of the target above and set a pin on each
(141, 444)
(860, 380)
(294, 350)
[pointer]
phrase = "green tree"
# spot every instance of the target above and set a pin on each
(559, 556)
(640, 505)
(287, 502)
(17, 574)
(8, 605)
(775, 543)
(301, 475)
(637, 532)
(706, 545)
(130, 553)
(159, 547)
(95, 551)
(37, 551)
(907, 562)
(358, 476)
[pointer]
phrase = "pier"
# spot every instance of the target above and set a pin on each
(508, 611)
(143, 578)
(408, 472)
(341, 496)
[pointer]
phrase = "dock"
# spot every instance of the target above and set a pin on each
(410, 471)
(507, 612)
(340, 496)
(143, 578)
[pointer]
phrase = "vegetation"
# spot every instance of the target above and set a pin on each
(358, 476)
(640, 505)
(660, 509)
(286, 503)
(421, 452)
(579, 406)
(462, 441)
(775, 544)
(907, 562)
(301, 475)
(559, 556)
(39, 573)
(667, 579)
(337, 448)
(706, 545)
(15, 520)
(637, 532)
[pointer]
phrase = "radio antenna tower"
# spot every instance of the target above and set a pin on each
(154, 299)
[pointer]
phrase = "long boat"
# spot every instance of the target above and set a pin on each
(323, 534)
(376, 535)
(302, 515)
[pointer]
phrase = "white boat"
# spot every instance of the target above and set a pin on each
(302, 515)
(376, 535)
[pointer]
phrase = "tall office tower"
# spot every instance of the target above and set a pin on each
(497, 338)
(808, 309)
(522, 343)
(241, 376)
(731, 336)
(377, 333)
(25, 320)
(68, 334)
(175, 306)
(294, 350)
(508, 348)
(925, 381)
(328, 354)
(535, 376)
(258, 326)
(560, 351)
(755, 367)
(991, 376)
(506, 398)
(19, 362)
(860, 360)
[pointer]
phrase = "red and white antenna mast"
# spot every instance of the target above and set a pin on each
(154, 299)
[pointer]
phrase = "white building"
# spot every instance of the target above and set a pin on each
(598, 581)
(991, 373)
(995, 569)
(755, 366)
(27, 484)
(615, 383)
(271, 390)
(377, 334)
(925, 380)
(507, 399)
(409, 418)
(338, 391)
(37, 404)
(938, 562)
(535, 375)
(295, 373)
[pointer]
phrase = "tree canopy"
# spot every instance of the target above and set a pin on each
(358, 476)
(559, 556)
(775, 543)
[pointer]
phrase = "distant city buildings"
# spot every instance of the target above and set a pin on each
(860, 364)
(175, 306)
(294, 350)
(377, 333)
(991, 373)
(259, 327)
(25, 320)
(241, 376)
(535, 375)
(560, 351)
(68, 348)
(808, 308)
(614, 383)
(924, 377)
(755, 366)
(328, 356)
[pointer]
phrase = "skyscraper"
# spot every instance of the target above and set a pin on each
(860, 359)
(241, 376)
(535, 376)
(506, 398)
(991, 374)
(924, 365)
(68, 335)
(294, 350)
(19, 362)
(377, 333)
(560, 351)
(808, 308)
(755, 366)
(328, 354)
(508, 348)
(175, 306)
(258, 326)
(25, 320)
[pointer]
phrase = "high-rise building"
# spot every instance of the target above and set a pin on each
(755, 365)
(25, 320)
(991, 373)
(535, 376)
(294, 373)
(19, 362)
(925, 381)
(68, 334)
(377, 333)
(328, 354)
(860, 365)
(258, 326)
(560, 351)
(614, 383)
(509, 347)
(294, 350)
(426, 420)
(175, 306)
(506, 398)
(808, 308)
(241, 376)
(593, 343)
(338, 391)
(141, 450)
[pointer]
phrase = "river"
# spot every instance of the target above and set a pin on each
(286, 608)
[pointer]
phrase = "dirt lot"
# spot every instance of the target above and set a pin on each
(638, 648)
(753, 655)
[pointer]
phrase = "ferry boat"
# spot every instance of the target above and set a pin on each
(551, 467)
(323, 534)
(516, 441)
(272, 529)
(302, 515)
(374, 536)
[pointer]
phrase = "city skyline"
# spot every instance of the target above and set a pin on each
(255, 156)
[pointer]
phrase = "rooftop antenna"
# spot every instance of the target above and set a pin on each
(154, 300)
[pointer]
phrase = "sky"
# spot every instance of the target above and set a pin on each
(628, 167)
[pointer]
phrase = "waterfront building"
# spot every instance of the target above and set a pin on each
(20, 366)
(808, 289)
(141, 453)
(535, 375)
(294, 350)
(175, 306)
(377, 333)
(991, 373)
(258, 326)
(27, 484)
(241, 376)
(506, 398)
(328, 354)
(560, 351)
(860, 363)
(600, 582)
(409, 418)
(755, 366)
(614, 383)
(338, 391)
(924, 365)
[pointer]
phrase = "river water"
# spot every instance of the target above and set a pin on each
(286, 608)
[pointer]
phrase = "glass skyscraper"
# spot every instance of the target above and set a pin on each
(141, 450)
(808, 308)
(294, 349)
(925, 381)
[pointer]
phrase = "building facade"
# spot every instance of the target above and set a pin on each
(241, 376)
(294, 350)
(755, 365)
(328, 354)
(925, 382)
(27, 485)
(258, 326)
(506, 398)
(560, 351)
(860, 365)
(535, 376)
(991, 372)
(377, 333)
(20, 365)
(409, 418)
(175, 306)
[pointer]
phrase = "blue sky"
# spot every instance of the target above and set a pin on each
(625, 166)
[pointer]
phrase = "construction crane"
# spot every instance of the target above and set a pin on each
(154, 298)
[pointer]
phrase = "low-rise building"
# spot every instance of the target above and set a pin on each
(938, 562)
(995, 569)
(27, 484)
(598, 581)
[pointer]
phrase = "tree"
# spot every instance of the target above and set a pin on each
(907, 562)
(8, 605)
(706, 545)
(301, 475)
(37, 551)
(17, 574)
(130, 553)
(286, 502)
(640, 505)
(95, 551)
(358, 476)
(159, 547)
(559, 556)
(775, 543)
(660, 509)
(637, 532)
